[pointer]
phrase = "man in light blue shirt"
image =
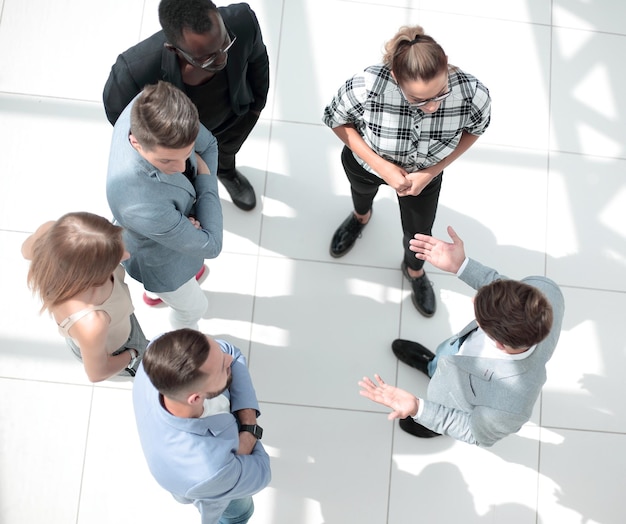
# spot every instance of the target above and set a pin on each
(196, 412)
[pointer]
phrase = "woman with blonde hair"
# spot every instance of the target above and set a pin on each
(402, 123)
(75, 269)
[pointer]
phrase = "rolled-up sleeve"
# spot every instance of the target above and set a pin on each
(480, 115)
(346, 107)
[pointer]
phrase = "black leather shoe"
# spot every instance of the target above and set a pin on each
(346, 235)
(417, 430)
(412, 354)
(240, 190)
(422, 294)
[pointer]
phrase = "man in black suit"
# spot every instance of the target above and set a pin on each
(218, 58)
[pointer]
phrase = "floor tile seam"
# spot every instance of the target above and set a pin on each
(274, 84)
(484, 17)
(298, 122)
(453, 13)
(484, 142)
(314, 406)
(583, 430)
(263, 194)
(587, 30)
(549, 176)
(82, 470)
(587, 288)
(236, 253)
(46, 381)
(18, 231)
(251, 322)
(549, 24)
(50, 97)
(332, 261)
(588, 155)
(542, 150)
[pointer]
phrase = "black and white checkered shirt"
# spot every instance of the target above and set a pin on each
(406, 136)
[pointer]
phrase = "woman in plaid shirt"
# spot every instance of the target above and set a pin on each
(402, 123)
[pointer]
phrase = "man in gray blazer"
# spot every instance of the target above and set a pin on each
(162, 189)
(484, 380)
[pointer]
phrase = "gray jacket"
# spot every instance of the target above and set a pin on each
(481, 400)
(166, 250)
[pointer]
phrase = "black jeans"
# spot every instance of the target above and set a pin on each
(417, 213)
(229, 142)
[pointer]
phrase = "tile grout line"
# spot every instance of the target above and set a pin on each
(82, 470)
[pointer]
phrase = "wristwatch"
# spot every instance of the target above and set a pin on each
(255, 429)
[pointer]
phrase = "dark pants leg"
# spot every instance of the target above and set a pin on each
(417, 214)
(363, 184)
(229, 142)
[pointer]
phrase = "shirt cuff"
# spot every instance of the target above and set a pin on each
(420, 409)
(463, 266)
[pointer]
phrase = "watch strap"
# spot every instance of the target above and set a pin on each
(255, 429)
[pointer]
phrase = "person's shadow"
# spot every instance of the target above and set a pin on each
(412, 499)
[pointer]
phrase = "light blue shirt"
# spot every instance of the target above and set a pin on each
(196, 459)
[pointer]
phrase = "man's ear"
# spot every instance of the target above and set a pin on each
(194, 398)
(133, 142)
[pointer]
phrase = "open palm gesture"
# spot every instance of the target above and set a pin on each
(403, 403)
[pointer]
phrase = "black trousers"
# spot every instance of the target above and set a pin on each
(417, 213)
(230, 138)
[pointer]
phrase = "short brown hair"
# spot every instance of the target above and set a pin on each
(412, 55)
(164, 116)
(172, 361)
(513, 313)
(81, 250)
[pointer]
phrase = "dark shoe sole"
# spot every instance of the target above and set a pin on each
(416, 429)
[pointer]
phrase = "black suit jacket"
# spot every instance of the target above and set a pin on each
(149, 61)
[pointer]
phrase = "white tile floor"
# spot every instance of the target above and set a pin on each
(543, 192)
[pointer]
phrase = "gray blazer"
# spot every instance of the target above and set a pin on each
(481, 400)
(166, 250)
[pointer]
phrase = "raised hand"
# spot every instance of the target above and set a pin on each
(448, 256)
(403, 403)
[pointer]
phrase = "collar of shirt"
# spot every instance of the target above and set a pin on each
(200, 426)
(478, 344)
(215, 405)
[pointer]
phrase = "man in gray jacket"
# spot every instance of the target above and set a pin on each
(484, 380)
(162, 189)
